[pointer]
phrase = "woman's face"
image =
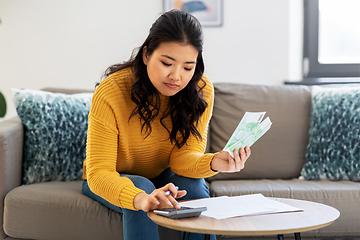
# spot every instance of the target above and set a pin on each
(171, 66)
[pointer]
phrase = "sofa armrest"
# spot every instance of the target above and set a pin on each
(11, 151)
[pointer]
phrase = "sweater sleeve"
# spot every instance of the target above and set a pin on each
(190, 160)
(101, 152)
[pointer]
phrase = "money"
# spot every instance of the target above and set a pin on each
(248, 131)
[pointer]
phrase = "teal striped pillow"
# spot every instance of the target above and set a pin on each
(333, 151)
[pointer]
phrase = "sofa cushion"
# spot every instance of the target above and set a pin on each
(58, 211)
(55, 134)
(333, 151)
(342, 195)
(280, 153)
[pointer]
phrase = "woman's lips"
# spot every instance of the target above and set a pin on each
(171, 85)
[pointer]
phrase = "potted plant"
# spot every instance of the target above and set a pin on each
(2, 105)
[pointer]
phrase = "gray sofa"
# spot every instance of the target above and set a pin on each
(58, 210)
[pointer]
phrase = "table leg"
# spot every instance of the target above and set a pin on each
(186, 236)
(280, 237)
(297, 236)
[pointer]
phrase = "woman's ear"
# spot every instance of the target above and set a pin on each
(145, 56)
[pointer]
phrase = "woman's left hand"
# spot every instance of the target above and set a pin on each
(223, 162)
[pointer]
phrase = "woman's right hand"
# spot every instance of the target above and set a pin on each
(158, 198)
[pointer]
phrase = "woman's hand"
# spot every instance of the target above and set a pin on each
(158, 198)
(223, 162)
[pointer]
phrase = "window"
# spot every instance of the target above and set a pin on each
(331, 38)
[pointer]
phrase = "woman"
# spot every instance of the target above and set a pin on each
(147, 128)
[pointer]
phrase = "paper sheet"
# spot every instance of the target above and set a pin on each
(227, 207)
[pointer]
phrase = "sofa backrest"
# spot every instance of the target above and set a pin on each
(280, 153)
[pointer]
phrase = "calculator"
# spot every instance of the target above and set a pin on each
(183, 212)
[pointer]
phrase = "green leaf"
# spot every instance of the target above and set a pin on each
(2, 105)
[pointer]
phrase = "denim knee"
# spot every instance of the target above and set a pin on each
(141, 182)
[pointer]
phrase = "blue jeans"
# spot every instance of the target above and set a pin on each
(136, 224)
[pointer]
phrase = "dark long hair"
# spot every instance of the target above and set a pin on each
(185, 107)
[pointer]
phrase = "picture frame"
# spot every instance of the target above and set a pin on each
(208, 12)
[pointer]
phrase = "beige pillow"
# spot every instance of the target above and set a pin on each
(280, 153)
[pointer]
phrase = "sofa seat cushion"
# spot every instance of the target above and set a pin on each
(58, 210)
(342, 195)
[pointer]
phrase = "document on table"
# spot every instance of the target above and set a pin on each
(237, 206)
(248, 131)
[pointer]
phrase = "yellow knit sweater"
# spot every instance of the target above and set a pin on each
(116, 145)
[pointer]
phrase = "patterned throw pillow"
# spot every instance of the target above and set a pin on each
(333, 151)
(55, 134)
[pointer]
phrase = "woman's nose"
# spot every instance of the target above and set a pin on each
(175, 74)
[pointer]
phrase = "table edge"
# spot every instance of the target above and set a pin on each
(245, 233)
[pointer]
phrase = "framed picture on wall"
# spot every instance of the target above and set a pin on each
(208, 12)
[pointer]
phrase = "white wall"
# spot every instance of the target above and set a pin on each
(69, 43)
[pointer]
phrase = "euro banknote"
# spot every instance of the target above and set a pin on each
(248, 131)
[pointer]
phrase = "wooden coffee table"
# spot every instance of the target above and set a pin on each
(314, 216)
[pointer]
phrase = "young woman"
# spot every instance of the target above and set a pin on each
(148, 125)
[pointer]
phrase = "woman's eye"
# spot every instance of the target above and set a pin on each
(166, 64)
(188, 69)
